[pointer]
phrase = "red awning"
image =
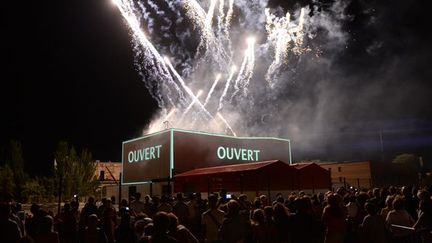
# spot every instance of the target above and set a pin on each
(227, 168)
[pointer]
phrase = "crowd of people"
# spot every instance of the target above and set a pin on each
(346, 215)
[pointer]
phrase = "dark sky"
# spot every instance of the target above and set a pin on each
(68, 74)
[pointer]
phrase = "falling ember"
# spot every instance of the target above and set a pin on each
(171, 80)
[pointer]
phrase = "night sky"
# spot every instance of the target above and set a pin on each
(68, 74)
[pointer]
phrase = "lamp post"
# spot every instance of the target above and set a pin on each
(59, 192)
(60, 184)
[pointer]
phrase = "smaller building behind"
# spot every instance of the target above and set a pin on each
(368, 174)
(108, 174)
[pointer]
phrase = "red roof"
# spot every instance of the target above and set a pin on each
(300, 166)
(228, 168)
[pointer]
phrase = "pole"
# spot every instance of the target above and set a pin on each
(208, 186)
(120, 188)
(59, 193)
(382, 145)
(313, 185)
(241, 183)
(268, 189)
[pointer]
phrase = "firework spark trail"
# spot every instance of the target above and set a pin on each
(250, 64)
(144, 51)
(210, 13)
(186, 88)
(171, 101)
(280, 34)
(214, 53)
(227, 84)
(189, 108)
(212, 46)
(127, 11)
(170, 114)
(155, 7)
(149, 84)
(229, 17)
(144, 15)
(240, 74)
(221, 16)
(161, 14)
(171, 6)
(212, 89)
(300, 25)
(226, 123)
(246, 69)
(299, 30)
(198, 15)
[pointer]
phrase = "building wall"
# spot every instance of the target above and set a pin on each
(114, 167)
(356, 174)
(108, 184)
(367, 174)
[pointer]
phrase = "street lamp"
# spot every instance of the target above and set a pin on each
(59, 169)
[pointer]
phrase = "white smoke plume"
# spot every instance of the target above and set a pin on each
(271, 49)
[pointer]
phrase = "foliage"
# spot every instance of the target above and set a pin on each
(15, 160)
(7, 185)
(33, 191)
(76, 172)
(410, 162)
(406, 159)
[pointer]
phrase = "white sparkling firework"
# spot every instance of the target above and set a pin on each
(215, 53)
(190, 106)
(227, 124)
(188, 90)
(227, 85)
(229, 16)
(281, 34)
(246, 69)
(212, 89)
